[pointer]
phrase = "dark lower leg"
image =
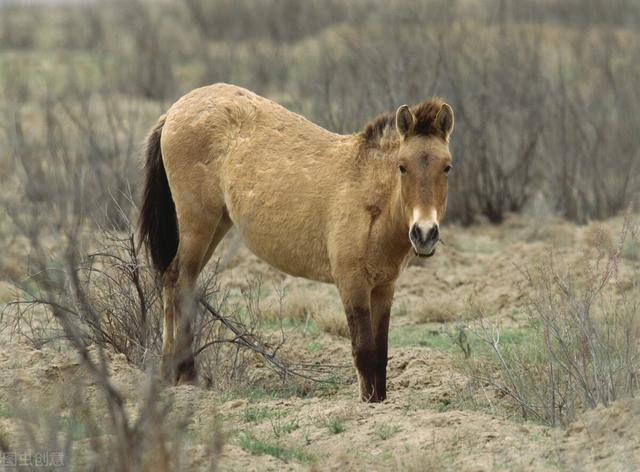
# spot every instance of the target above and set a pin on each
(364, 352)
(381, 299)
(381, 369)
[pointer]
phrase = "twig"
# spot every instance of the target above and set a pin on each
(245, 340)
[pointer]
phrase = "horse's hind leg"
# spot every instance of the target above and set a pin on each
(221, 230)
(197, 243)
(168, 284)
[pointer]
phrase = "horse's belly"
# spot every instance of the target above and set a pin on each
(291, 244)
(291, 260)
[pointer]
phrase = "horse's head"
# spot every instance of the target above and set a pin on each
(423, 166)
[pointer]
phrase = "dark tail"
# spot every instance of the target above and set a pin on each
(158, 224)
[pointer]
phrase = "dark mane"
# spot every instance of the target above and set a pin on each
(424, 112)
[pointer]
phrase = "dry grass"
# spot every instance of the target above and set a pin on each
(333, 322)
(582, 344)
(442, 312)
(422, 461)
(298, 306)
(303, 306)
(550, 230)
(599, 238)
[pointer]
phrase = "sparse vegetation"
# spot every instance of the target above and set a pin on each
(254, 415)
(582, 347)
(386, 431)
(260, 446)
(336, 426)
(282, 427)
(520, 314)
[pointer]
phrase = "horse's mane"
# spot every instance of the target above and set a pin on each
(424, 112)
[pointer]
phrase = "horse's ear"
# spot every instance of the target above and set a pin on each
(444, 120)
(405, 121)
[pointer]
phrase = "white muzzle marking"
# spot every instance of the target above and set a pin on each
(424, 224)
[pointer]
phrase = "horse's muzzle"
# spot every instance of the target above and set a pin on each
(424, 241)
(425, 255)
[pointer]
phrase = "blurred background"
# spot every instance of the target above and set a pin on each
(545, 91)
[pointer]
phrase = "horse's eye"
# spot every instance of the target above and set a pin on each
(403, 169)
(447, 169)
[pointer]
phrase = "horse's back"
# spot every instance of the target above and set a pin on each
(228, 122)
(274, 172)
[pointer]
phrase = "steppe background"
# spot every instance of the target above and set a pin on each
(517, 347)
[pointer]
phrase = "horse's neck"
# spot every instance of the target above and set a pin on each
(380, 174)
(396, 233)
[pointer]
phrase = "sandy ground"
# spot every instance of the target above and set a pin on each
(419, 427)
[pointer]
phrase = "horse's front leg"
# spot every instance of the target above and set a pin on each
(381, 300)
(357, 304)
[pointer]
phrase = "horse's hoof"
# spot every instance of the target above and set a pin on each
(373, 397)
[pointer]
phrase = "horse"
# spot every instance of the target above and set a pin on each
(351, 210)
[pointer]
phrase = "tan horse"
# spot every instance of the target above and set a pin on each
(346, 210)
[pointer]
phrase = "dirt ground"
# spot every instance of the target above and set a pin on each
(419, 427)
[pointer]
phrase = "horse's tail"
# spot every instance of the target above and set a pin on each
(158, 223)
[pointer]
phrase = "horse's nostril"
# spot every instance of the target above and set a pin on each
(434, 233)
(416, 234)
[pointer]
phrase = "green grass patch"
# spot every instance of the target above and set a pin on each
(256, 415)
(336, 426)
(420, 336)
(292, 388)
(445, 339)
(386, 431)
(259, 447)
(517, 336)
(444, 404)
(5, 412)
(314, 347)
(281, 426)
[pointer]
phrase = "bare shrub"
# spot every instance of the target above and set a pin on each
(132, 441)
(89, 134)
(125, 294)
(541, 97)
(582, 348)
(227, 334)
(587, 181)
(104, 434)
(286, 20)
(121, 290)
(145, 63)
(17, 26)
